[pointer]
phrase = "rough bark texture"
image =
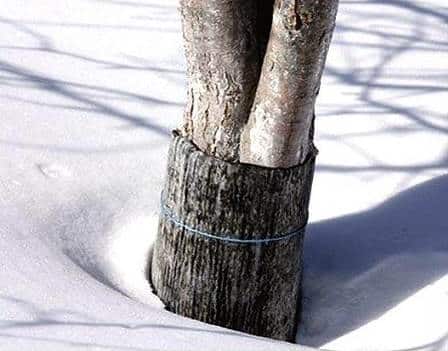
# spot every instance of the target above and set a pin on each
(245, 286)
(243, 167)
(279, 129)
(224, 56)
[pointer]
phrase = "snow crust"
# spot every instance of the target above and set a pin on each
(89, 90)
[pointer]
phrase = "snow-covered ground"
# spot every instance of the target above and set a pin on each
(89, 90)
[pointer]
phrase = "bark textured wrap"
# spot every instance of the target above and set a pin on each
(251, 287)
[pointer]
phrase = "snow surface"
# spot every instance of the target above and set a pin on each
(89, 90)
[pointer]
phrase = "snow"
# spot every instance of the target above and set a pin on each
(89, 90)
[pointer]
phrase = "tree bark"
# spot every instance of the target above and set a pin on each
(229, 248)
(279, 130)
(224, 45)
(235, 202)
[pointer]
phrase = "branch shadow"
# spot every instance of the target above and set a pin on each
(399, 246)
(67, 320)
(93, 99)
(360, 266)
(374, 56)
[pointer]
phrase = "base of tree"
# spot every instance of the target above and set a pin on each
(229, 246)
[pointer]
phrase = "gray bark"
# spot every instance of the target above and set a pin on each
(245, 286)
(224, 57)
(243, 165)
(279, 130)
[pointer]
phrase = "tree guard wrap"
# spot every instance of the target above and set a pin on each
(229, 245)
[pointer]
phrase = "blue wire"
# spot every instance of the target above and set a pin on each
(167, 213)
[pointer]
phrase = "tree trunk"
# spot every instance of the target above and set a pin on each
(230, 241)
(223, 65)
(235, 201)
(279, 130)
